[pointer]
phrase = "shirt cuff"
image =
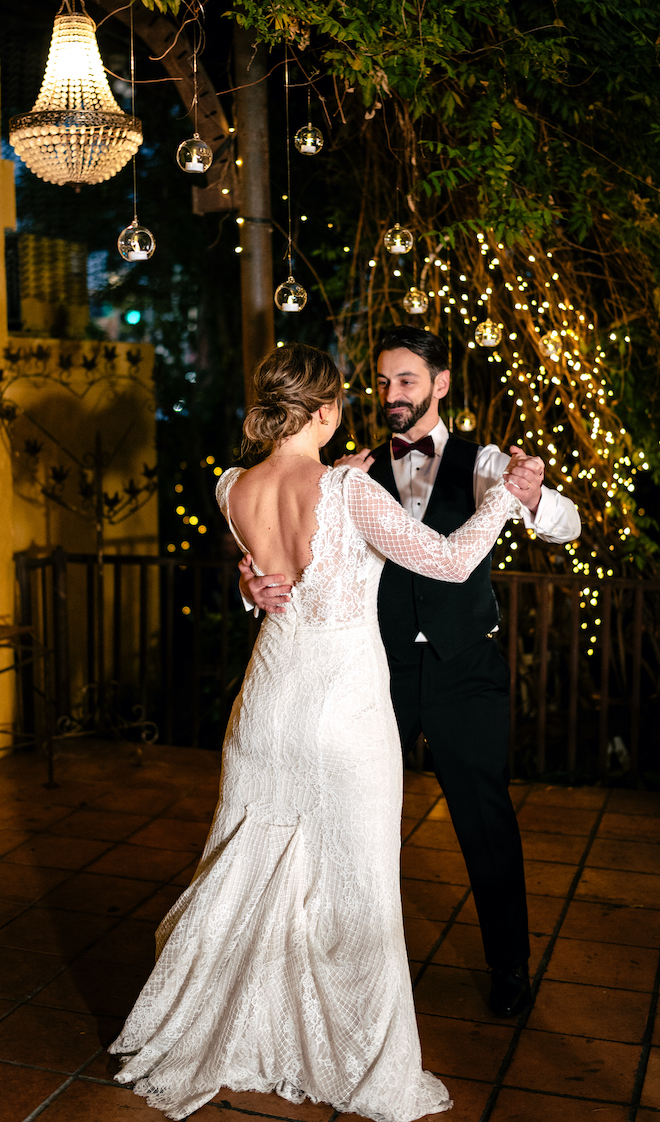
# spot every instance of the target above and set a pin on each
(543, 516)
(249, 606)
(550, 520)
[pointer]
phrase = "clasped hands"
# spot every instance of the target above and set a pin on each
(523, 479)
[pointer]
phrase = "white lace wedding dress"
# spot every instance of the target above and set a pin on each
(283, 965)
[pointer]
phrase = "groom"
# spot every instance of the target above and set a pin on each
(448, 678)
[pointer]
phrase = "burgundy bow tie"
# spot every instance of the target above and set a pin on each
(401, 448)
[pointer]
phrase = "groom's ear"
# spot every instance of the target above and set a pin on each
(441, 384)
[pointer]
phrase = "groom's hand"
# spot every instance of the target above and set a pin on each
(362, 460)
(268, 593)
(525, 478)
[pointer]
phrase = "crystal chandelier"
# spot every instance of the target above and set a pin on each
(76, 131)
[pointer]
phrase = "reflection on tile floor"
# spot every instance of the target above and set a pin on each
(88, 869)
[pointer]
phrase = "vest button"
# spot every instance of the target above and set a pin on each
(420, 597)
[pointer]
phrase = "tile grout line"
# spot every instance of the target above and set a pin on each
(64, 1087)
(120, 919)
(455, 912)
(26, 999)
(541, 969)
(640, 1074)
(439, 799)
(78, 1075)
(443, 935)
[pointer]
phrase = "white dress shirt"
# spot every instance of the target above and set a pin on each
(555, 520)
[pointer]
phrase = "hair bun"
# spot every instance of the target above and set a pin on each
(291, 383)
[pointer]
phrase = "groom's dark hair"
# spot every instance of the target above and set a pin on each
(428, 346)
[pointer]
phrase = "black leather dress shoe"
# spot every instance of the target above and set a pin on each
(510, 992)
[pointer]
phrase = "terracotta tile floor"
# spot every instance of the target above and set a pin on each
(88, 868)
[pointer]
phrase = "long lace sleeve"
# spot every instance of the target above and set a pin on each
(388, 528)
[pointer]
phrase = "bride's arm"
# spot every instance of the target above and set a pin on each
(383, 522)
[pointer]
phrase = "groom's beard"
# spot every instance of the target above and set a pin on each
(406, 415)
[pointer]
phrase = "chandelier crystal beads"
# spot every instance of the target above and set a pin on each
(76, 132)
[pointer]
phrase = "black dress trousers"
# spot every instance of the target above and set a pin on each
(461, 705)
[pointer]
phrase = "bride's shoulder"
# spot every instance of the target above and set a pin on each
(224, 483)
(347, 478)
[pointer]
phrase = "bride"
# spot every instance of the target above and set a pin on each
(283, 965)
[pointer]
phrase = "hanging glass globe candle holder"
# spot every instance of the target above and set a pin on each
(550, 344)
(290, 296)
(465, 421)
(194, 155)
(136, 243)
(487, 334)
(398, 240)
(308, 140)
(415, 301)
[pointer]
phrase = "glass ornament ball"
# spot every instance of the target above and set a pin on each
(194, 155)
(398, 240)
(136, 243)
(550, 344)
(487, 334)
(308, 140)
(465, 421)
(415, 301)
(290, 296)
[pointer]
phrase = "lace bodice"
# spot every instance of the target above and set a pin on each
(359, 526)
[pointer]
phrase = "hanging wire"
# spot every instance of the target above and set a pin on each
(449, 348)
(288, 152)
(133, 109)
(194, 61)
(309, 104)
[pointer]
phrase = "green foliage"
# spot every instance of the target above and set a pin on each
(534, 100)
(524, 123)
(532, 124)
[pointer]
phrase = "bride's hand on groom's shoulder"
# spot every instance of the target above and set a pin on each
(269, 593)
(362, 460)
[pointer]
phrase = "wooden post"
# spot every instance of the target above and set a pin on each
(250, 66)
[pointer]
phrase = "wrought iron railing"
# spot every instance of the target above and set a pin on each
(584, 656)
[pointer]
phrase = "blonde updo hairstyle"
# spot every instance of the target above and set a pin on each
(290, 384)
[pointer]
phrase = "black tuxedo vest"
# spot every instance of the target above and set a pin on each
(451, 616)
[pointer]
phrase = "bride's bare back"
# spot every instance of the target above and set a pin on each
(273, 512)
